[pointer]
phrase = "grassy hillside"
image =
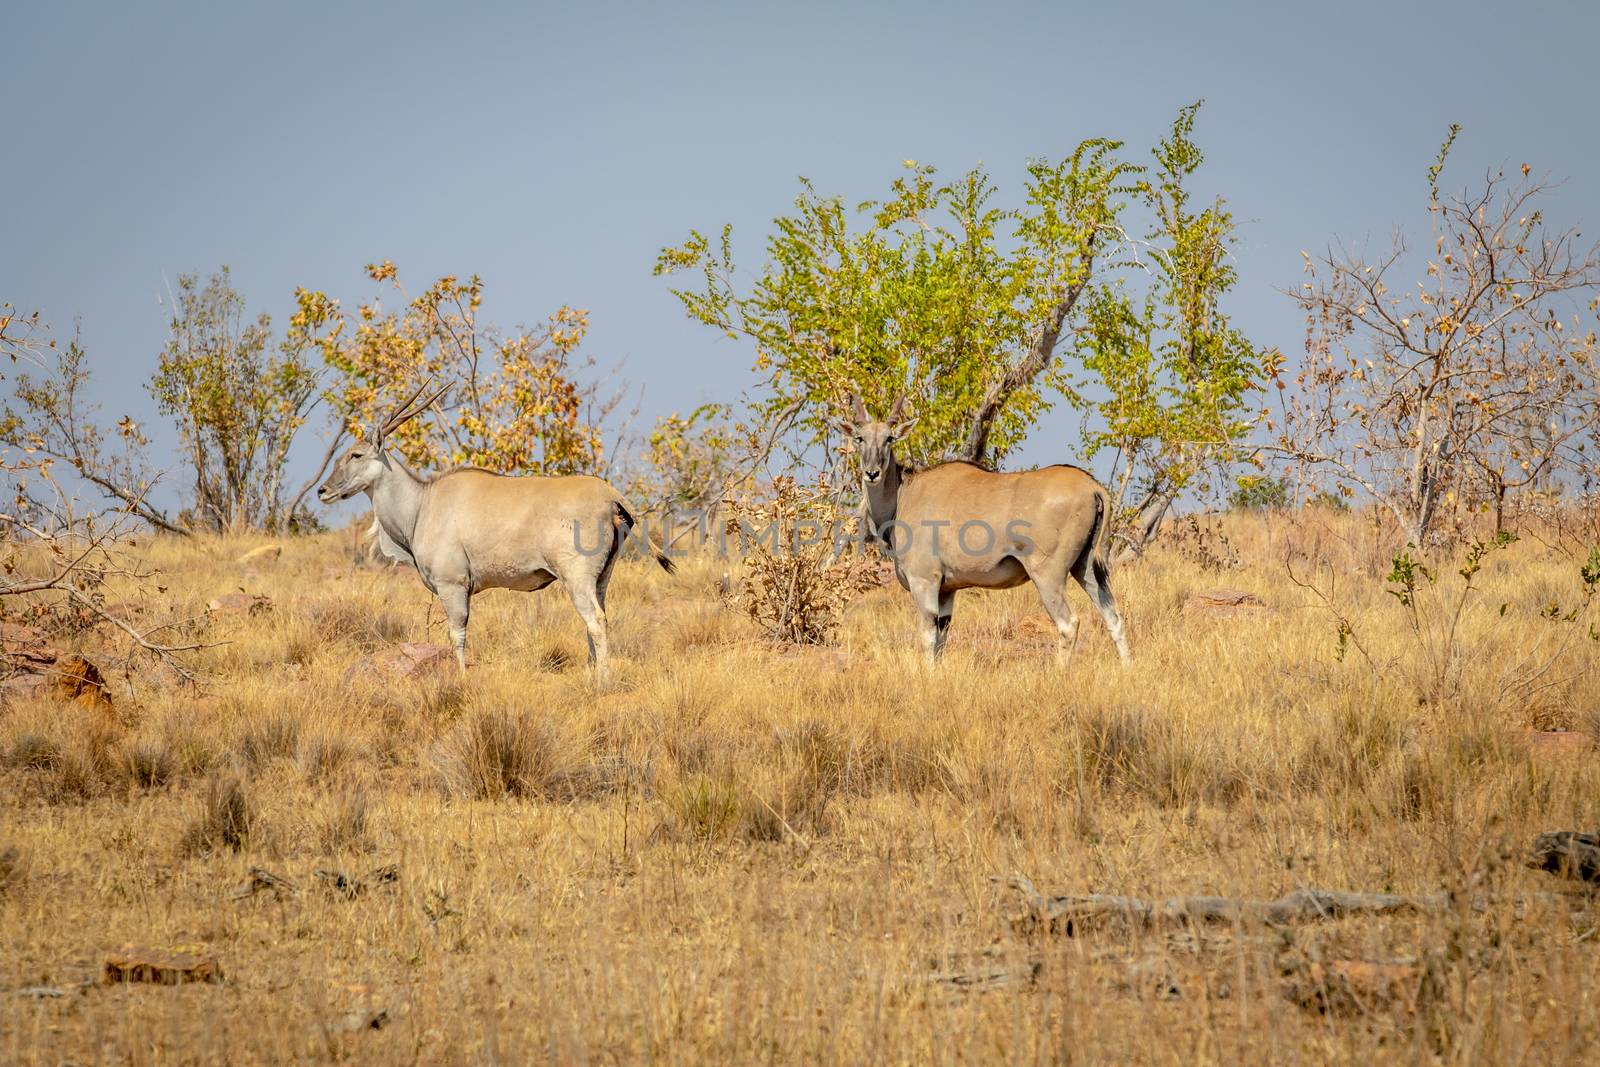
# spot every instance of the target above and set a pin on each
(737, 852)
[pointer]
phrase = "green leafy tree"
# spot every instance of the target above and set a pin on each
(933, 291)
(237, 403)
(1173, 379)
(976, 312)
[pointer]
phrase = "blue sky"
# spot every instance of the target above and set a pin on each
(554, 150)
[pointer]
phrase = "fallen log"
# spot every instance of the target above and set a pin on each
(1302, 905)
(1568, 853)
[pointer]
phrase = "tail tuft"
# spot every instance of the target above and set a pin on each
(626, 520)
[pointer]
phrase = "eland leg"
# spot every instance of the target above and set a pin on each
(1053, 594)
(941, 624)
(590, 602)
(926, 596)
(1096, 581)
(457, 603)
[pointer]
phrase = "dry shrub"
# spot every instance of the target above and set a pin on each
(493, 754)
(33, 752)
(767, 803)
(151, 763)
(346, 823)
(364, 626)
(227, 817)
(69, 754)
(1347, 747)
(1151, 754)
(275, 735)
(322, 752)
(789, 588)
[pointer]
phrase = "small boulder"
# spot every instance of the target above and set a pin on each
(25, 686)
(1033, 630)
(138, 963)
(243, 604)
(263, 554)
(402, 661)
(1226, 604)
(19, 640)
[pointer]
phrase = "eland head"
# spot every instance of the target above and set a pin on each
(875, 440)
(364, 462)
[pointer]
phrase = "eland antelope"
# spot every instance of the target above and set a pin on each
(958, 526)
(468, 529)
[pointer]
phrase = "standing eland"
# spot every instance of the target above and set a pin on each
(469, 529)
(958, 526)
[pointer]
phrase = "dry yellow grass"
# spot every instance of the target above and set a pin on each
(737, 853)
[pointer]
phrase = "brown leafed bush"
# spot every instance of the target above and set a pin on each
(791, 586)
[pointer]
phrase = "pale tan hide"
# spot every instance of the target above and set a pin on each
(468, 530)
(957, 526)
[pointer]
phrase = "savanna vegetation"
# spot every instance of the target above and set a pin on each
(1362, 584)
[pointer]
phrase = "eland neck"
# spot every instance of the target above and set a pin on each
(396, 500)
(883, 499)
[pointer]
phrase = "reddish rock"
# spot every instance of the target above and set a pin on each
(1226, 604)
(137, 963)
(24, 645)
(242, 604)
(402, 661)
(79, 680)
(1033, 630)
(25, 686)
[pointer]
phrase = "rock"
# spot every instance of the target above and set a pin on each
(1226, 604)
(78, 680)
(402, 661)
(22, 642)
(1032, 630)
(1560, 744)
(44, 671)
(138, 963)
(242, 604)
(25, 686)
(1568, 853)
(264, 554)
